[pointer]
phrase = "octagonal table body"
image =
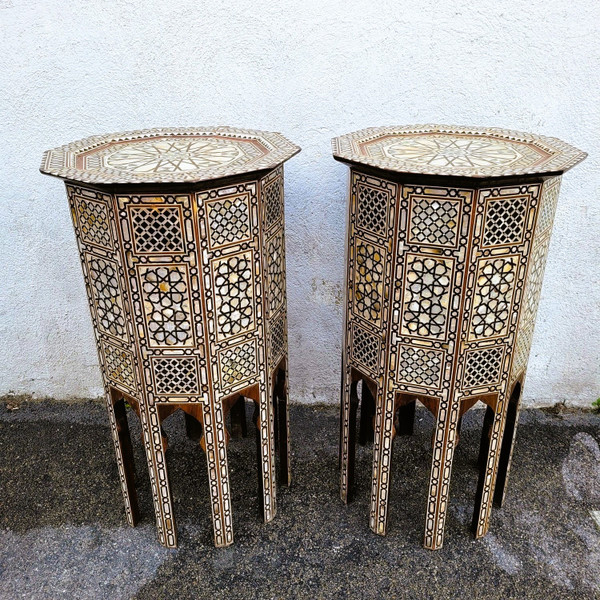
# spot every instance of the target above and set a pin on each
(448, 232)
(181, 240)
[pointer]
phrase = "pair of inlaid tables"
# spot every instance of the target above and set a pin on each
(182, 244)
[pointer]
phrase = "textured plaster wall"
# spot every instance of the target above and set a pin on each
(311, 70)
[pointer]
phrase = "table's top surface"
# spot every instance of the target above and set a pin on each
(168, 155)
(456, 151)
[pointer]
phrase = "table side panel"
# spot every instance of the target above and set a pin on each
(371, 234)
(160, 252)
(431, 254)
(93, 217)
(230, 250)
(502, 242)
(274, 269)
(535, 275)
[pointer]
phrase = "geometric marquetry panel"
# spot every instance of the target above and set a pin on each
(175, 376)
(156, 229)
(534, 283)
(535, 274)
(238, 363)
(93, 221)
(419, 366)
(119, 366)
(493, 296)
(521, 352)
(166, 305)
(366, 347)
(434, 221)
(234, 294)
(276, 271)
(548, 206)
(372, 208)
(368, 281)
(504, 221)
(277, 337)
(273, 195)
(107, 296)
(228, 220)
(426, 296)
(482, 367)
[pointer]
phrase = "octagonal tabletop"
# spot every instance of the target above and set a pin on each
(456, 151)
(168, 155)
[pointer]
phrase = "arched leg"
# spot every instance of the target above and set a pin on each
(262, 395)
(347, 421)
(159, 481)
(193, 428)
(382, 456)
(238, 418)
(283, 425)
(444, 443)
(124, 453)
(275, 410)
(458, 428)
(484, 444)
(218, 475)
(508, 443)
(352, 441)
(261, 495)
(488, 471)
(405, 418)
(342, 413)
(367, 414)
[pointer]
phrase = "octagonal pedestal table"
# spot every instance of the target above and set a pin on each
(448, 232)
(181, 239)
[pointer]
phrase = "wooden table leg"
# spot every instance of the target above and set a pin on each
(508, 442)
(124, 453)
(218, 473)
(382, 458)
(441, 467)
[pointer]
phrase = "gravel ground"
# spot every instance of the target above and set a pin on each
(63, 532)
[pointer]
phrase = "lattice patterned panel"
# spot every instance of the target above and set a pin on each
(535, 276)
(238, 364)
(368, 281)
(534, 283)
(426, 296)
(273, 198)
(372, 208)
(156, 229)
(521, 353)
(166, 305)
(366, 348)
(175, 376)
(434, 221)
(419, 366)
(548, 202)
(119, 366)
(493, 297)
(93, 221)
(504, 221)
(234, 294)
(277, 337)
(228, 220)
(276, 274)
(107, 296)
(482, 367)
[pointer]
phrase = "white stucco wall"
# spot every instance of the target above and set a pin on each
(311, 70)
